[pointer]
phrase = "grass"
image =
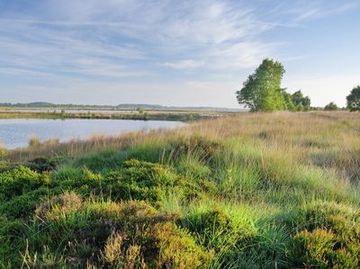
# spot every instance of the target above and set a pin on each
(257, 190)
(123, 115)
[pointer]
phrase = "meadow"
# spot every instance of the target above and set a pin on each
(252, 190)
(6, 113)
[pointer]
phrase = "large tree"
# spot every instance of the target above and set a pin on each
(262, 90)
(353, 99)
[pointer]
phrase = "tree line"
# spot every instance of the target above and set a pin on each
(262, 92)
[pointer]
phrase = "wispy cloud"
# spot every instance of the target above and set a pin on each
(121, 41)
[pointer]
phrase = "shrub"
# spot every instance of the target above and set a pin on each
(42, 164)
(59, 205)
(126, 235)
(323, 249)
(81, 180)
(328, 236)
(140, 180)
(12, 234)
(203, 148)
(22, 206)
(213, 228)
(18, 181)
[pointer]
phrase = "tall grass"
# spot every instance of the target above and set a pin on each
(260, 190)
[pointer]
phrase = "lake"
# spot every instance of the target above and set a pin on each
(16, 133)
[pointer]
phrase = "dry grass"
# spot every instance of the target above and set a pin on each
(323, 138)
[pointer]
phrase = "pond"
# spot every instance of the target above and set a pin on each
(16, 133)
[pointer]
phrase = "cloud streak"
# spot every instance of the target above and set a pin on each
(117, 42)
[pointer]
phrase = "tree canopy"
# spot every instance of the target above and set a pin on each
(331, 106)
(262, 90)
(353, 99)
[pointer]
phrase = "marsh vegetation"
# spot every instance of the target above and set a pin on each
(274, 190)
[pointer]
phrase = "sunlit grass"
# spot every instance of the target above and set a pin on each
(247, 191)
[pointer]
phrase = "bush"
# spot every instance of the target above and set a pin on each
(138, 180)
(328, 236)
(201, 148)
(59, 205)
(81, 180)
(12, 234)
(23, 206)
(126, 235)
(323, 249)
(18, 181)
(331, 107)
(214, 228)
(42, 164)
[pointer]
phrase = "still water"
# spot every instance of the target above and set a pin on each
(16, 133)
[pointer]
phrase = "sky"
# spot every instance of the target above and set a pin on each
(176, 53)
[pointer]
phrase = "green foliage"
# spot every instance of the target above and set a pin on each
(331, 107)
(19, 181)
(262, 91)
(125, 235)
(252, 191)
(327, 236)
(42, 164)
(145, 181)
(300, 102)
(353, 99)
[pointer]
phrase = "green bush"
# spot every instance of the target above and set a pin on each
(22, 206)
(42, 164)
(138, 180)
(18, 181)
(214, 229)
(12, 234)
(328, 236)
(110, 235)
(81, 180)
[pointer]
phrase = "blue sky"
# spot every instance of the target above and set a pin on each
(183, 53)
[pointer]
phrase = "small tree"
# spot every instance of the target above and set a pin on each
(262, 90)
(300, 102)
(140, 110)
(353, 99)
(331, 107)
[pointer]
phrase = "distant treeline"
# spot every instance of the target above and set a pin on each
(123, 107)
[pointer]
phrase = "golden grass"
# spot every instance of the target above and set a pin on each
(325, 139)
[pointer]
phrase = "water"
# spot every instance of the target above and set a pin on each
(15, 133)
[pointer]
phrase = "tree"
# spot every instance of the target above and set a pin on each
(353, 99)
(301, 102)
(262, 90)
(331, 107)
(288, 101)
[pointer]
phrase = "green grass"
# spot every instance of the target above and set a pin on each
(250, 191)
(123, 115)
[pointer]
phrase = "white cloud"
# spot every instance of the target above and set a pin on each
(104, 44)
(185, 64)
